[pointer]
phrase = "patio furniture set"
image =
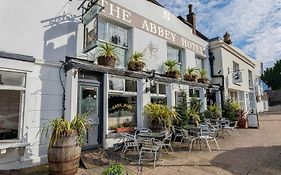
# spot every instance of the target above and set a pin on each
(144, 141)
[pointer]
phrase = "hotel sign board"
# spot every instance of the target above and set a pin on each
(127, 17)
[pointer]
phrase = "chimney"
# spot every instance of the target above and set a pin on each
(191, 18)
(227, 38)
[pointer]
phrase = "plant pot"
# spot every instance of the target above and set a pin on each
(188, 77)
(203, 80)
(107, 61)
(136, 65)
(173, 74)
(242, 123)
(64, 156)
(126, 129)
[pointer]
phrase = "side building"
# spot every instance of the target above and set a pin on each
(237, 73)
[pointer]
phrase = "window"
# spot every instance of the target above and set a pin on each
(116, 35)
(158, 93)
(12, 88)
(118, 84)
(235, 67)
(236, 74)
(199, 63)
(250, 76)
(122, 102)
(174, 53)
(195, 93)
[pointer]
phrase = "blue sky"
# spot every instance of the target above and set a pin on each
(254, 25)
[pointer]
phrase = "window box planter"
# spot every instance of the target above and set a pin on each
(125, 129)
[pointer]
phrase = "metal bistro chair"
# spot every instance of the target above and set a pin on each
(206, 137)
(189, 139)
(130, 141)
(166, 142)
(149, 148)
(177, 132)
(232, 127)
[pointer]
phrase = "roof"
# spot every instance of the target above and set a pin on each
(15, 56)
(155, 2)
(265, 87)
(199, 34)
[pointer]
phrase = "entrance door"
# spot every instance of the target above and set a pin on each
(89, 103)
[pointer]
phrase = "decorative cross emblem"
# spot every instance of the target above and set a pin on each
(166, 15)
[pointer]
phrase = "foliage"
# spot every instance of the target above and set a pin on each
(191, 71)
(229, 109)
(194, 110)
(272, 76)
(136, 56)
(214, 110)
(136, 62)
(107, 50)
(194, 115)
(181, 109)
(63, 128)
(161, 114)
(114, 169)
(202, 73)
(171, 65)
(241, 114)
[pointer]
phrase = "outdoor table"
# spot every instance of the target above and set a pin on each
(155, 135)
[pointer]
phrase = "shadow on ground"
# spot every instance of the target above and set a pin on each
(250, 161)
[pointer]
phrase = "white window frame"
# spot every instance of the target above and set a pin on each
(124, 92)
(180, 59)
(202, 62)
(22, 89)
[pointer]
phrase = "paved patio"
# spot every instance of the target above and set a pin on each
(253, 152)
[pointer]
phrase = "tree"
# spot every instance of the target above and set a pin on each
(272, 76)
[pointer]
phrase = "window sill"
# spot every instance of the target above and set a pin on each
(15, 144)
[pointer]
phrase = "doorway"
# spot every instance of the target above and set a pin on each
(88, 102)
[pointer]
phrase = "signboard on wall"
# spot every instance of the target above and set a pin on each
(118, 13)
(237, 77)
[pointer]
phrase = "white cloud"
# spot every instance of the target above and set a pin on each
(255, 25)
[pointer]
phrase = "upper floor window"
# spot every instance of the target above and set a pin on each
(236, 74)
(235, 67)
(250, 77)
(116, 35)
(199, 62)
(12, 89)
(174, 53)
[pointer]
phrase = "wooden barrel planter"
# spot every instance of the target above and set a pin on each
(64, 156)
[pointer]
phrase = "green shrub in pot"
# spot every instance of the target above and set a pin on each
(136, 63)
(107, 54)
(160, 116)
(172, 70)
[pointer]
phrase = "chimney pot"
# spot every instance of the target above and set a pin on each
(190, 8)
(227, 38)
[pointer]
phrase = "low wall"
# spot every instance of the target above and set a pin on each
(274, 98)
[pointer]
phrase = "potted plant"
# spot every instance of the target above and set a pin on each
(107, 55)
(65, 144)
(203, 78)
(242, 118)
(190, 74)
(194, 116)
(136, 63)
(127, 126)
(171, 69)
(161, 116)
(215, 111)
(114, 169)
(229, 109)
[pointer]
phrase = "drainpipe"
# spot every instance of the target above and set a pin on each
(212, 59)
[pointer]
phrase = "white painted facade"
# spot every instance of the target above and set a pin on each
(226, 57)
(50, 30)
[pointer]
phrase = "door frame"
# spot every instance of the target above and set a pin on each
(98, 85)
